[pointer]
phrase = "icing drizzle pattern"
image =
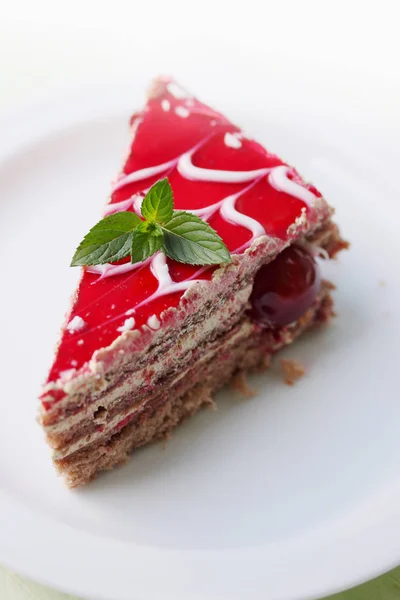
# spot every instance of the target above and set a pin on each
(239, 188)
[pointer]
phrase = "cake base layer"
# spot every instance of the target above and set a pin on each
(247, 348)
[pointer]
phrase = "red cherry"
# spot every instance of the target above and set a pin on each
(285, 288)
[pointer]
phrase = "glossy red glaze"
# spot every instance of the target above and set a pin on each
(285, 288)
(161, 136)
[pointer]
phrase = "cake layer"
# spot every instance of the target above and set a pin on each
(155, 419)
(110, 416)
(167, 359)
(84, 416)
(133, 349)
(124, 401)
(129, 404)
(143, 369)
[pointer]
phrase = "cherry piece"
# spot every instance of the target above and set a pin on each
(285, 288)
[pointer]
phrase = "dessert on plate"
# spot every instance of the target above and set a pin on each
(150, 337)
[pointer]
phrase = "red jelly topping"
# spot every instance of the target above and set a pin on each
(285, 288)
(171, 125)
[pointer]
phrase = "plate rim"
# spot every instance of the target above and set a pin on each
(23, 128)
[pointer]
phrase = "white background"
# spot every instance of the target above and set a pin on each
(47, 45)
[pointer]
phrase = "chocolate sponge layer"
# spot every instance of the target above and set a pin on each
(245, 347)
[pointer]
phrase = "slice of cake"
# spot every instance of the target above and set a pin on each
(148, 343)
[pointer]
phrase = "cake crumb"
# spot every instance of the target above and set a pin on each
(305, 320)
(266, 362)
(292, 370)
(328, 285)
(381, 283)
(211, 404)
(240, 383)
(165, 439)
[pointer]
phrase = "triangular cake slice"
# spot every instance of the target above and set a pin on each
(146, 345)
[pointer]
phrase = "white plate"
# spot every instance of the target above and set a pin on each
(291, 495)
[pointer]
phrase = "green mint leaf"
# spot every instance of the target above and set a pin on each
(158, 204)
(181, 235)
(109, 240)
(146, 240)
(189, 239)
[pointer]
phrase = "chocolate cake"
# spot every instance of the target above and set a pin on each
(145, 345)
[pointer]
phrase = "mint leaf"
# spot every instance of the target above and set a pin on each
(190, 240)
(183, 236)
(158, 204)
(109, 240)
(146, 240)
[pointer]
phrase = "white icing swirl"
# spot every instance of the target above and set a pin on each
(188, 170)
(230, 214)
(143, 174)
(110, 209)
(108, 269)
(278, 178)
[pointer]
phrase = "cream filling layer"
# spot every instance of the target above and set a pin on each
(243, 332)
(172, 355)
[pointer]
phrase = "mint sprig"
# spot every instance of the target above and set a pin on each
(181, 235)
